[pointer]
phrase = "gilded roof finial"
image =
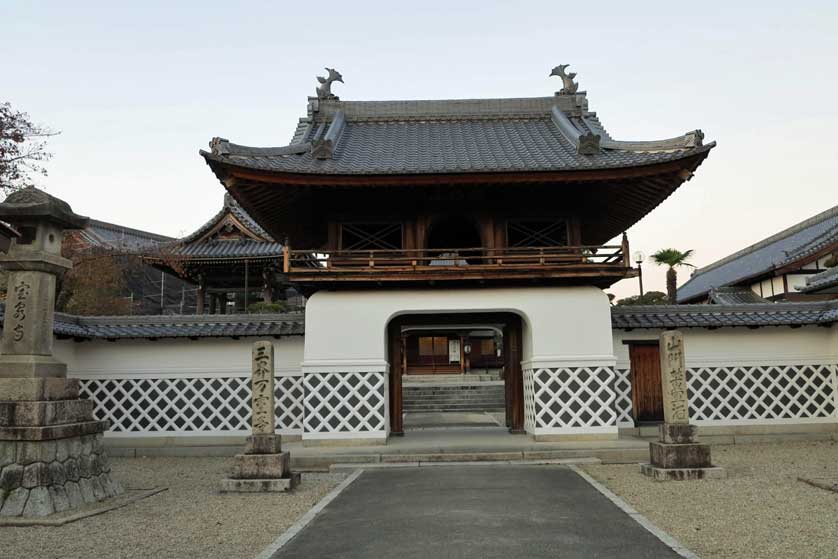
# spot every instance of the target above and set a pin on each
(324, 90)
(569, 86)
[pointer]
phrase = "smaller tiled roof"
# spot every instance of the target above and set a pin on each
(786, 247)
(818, 282)
(191, 247)
(718, 316)
(177, 326)
(734, 296)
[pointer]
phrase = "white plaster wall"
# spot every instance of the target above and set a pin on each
(347, 330)
(742, 346)
(175, 357)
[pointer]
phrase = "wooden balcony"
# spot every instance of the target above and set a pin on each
(559, 265)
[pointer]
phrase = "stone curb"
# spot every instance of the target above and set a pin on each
(351, 467)
(667, 539)
(23, 522)
(305, 519)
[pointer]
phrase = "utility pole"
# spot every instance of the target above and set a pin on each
(162, 284)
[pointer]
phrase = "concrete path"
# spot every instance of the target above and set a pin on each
(481, 512)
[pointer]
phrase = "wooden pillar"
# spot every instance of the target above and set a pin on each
(513, 376)
(222, 303)
(199, 297)
(395, 350)
(267, 286)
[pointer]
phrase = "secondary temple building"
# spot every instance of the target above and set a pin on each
(447, 217)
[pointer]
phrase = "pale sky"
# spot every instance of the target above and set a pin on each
(136, 89)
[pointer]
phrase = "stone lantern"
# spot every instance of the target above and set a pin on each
(51, 454)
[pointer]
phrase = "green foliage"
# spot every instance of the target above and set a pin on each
(266, 308)
(648, 298)
(672, 257)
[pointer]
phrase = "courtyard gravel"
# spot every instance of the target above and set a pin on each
(760, 510)
(190, 519)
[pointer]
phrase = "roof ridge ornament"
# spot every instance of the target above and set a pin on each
(569, 87)
(324, 90)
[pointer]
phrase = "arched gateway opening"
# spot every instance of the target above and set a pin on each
(456, 364)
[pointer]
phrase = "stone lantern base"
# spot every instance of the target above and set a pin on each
(678, 456)
(51, 453)
(262, 468)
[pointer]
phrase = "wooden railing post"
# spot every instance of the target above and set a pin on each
(625, 248)
(286, 257)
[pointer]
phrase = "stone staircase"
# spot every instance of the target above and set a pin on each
(453, 395)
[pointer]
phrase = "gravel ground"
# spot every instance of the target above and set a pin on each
(760, 510)
(191, 519)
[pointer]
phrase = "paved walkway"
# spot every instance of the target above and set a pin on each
(473, 512)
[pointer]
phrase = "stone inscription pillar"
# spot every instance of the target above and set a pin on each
(677, 455)
(674, 378)
(263, 467)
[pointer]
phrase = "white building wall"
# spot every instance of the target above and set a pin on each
(740, 376)
(182, 387)
(566, 342)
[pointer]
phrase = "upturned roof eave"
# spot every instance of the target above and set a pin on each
(224, 169)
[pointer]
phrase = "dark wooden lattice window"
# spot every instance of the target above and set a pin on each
(536, 233)
(371, 236)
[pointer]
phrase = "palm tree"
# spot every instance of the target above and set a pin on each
(672, 258)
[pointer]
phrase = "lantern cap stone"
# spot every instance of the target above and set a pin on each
(32, 204)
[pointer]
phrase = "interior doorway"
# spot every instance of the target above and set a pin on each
(465, 361)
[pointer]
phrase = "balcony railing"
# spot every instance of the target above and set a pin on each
(457, 263)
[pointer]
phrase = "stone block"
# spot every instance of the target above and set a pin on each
(260, 485)
(693, 455)
(263, 444)
(52, 432)
(11, 477)
(15, 502)
(8, 452)
(74, 496)
(682, 474)
(98, 490)
(86, 445)
(71, 468)
(57, 473)
(86, 488)
(62, 449)
(74, 445)
(60, 501)
(45, 412)
(35, 475)
(24, 389)
(39, 503)
(261, 466)
(31, 366)
(85, 463)
(677, 433)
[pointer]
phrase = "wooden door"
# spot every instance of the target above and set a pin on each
(646, 391)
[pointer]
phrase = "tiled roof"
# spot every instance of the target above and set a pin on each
(824, 280)
(734, 296)
(451, 136)
(191, 248)
(177, 326)
(786, 247)
(109, 235)
(230, 206)
(717, 316)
